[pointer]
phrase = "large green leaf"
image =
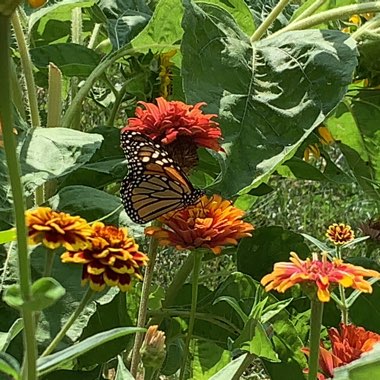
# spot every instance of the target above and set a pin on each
(125, 19)
(93, 204)
(257, 255)
(355, 126)
(162, 32)
(48, 153)
(9, 367)
(276, 91)
(71, 59)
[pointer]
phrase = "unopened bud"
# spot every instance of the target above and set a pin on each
(153, 350)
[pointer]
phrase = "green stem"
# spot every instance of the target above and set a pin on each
(6, 123)
(94, 36)
(31, 90)
(178, 281)
(27, 69)
(330, 15)
(309, 11)
(49, 261)
(54, 101)
(343, 308)
(97, 72)
(143, 307)
(115, 108)
(368, 27)
(315, 336)
(269, 20)
(85, 300)
(243, 366)
(197, 257)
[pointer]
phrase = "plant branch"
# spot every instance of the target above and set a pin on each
(197, 259)
(269, 20)
(6, 124)
(85, 300)
(315, 336)
(309, 11)
(141, 319)
(330, 15)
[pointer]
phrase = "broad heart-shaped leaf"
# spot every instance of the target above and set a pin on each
(48, 153)
(125, 19)
(269, 96)
(208, 359)
(71, 59)
(162, 32)
(45, 292)
(364, 368)
(9, 367)
(93, 204)
(257, 255)
(48, 363)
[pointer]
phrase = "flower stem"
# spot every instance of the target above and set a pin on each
(309, 11)
(49, 260)
(85, 300)
(314, 339)
(6, 124)
(243, 366)
(197, 257)
(141, 319)
(330, 15)
(343, 303)
(269, 20)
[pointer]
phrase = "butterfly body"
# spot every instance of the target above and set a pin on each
(155, 184)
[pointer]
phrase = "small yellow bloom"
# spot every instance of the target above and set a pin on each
(153, 349)
(340, 233)
(325, 136)
(322, 273)
(55, 229)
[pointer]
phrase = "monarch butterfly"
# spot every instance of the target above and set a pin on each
(155, 184)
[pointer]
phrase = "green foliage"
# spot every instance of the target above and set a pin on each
(281, 122)
(269, 97)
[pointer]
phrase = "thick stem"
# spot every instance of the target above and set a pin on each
(197, 257)
(315, 336)
(53, 344)
(6, 124)
(269, 20)
(94, 36)
(27, 69)
(141, 319)
(309, 11)
(330, 15)
(49, 261)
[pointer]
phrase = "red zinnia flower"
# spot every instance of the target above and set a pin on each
(167, 121)
(340, 233)
(322, 273)
(210, 223)
(347, 345)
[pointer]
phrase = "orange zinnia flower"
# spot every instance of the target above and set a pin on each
(112, 259)
(322, 273)
(340, 233)
(167, 121)
(210, 223)
(347, 345)
(55, 229)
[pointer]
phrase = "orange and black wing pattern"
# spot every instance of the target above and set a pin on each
(155, 184)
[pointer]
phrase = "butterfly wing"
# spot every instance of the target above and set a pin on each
(155, 185)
